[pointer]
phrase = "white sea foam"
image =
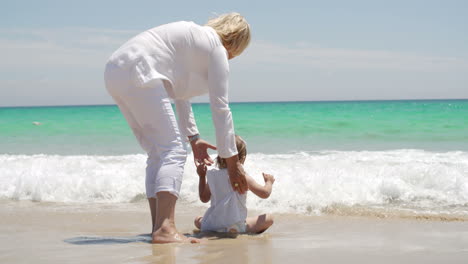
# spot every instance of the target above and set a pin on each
(306, 183)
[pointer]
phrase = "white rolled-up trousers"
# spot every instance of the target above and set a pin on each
(149, 114)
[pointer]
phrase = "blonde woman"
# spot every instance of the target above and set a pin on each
(177, 61)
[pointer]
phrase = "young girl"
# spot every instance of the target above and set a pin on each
(228, 211)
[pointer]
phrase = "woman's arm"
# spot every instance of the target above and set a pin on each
(203, 188)
(218, 82)
(218, 75)
(259, 190)
(186, 120)
(189, 130)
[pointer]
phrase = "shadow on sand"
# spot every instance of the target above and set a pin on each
(142, 238)
(96, 240)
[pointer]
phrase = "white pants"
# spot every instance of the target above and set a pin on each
(149, 113)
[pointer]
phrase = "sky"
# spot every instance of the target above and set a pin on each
(54, 52)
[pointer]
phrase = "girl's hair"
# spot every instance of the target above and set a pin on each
(241, 153)
(233, 30)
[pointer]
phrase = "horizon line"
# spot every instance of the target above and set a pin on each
(247, 102)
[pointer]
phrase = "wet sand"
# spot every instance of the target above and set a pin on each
(119, 233)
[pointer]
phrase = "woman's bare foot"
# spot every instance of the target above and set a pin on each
(169, 234)
(164, 222)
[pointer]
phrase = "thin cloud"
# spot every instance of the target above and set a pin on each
(77, 47)
(90, 47)
(304, 55)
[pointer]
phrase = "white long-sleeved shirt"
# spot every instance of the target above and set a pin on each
(191, 61)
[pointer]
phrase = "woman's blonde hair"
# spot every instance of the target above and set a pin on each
(233, 30)
(241, 153)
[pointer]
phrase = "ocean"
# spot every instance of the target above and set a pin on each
(382, 158)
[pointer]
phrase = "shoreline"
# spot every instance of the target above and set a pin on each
(264, 102)
(100, 233)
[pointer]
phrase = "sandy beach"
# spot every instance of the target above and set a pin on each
(119, 233)
(358, 109)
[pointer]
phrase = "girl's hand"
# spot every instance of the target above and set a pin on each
(200, 152)
(201, 170)
(268, 178)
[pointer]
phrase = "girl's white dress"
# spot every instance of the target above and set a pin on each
(228, 208)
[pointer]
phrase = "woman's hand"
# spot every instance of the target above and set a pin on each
(236, 175)
(200, 152)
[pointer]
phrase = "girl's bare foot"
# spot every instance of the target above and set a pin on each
(197, 222)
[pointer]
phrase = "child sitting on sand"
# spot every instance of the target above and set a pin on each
(228, 211)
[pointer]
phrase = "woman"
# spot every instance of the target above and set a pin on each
(177, 61)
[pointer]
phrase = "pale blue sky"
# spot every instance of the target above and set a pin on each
(53, 52)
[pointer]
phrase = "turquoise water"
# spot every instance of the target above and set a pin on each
(267, 127)
(379, 157)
